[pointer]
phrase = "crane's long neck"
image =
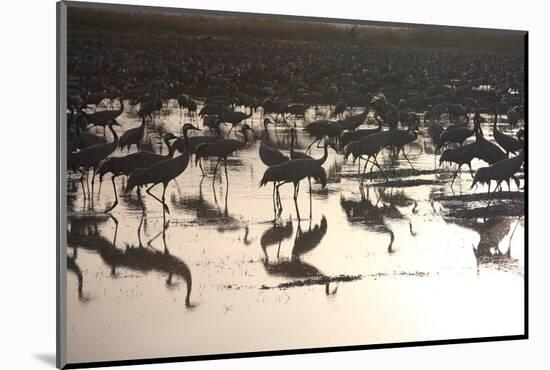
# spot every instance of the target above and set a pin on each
(115, 136)
(292, 143)
(77, 126)
(171, 149)
(183, 158)
(323, 159)
(121, 109)
(114, 143)
(265, 135)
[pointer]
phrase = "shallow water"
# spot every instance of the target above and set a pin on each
(378, 265)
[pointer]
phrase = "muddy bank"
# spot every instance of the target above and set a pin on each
(477, 197)
(515, 209)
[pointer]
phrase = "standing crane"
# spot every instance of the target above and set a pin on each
(234, 118)
(126, 165)
(508, 143)
(455, 135)
(221, 149)
(271, 157)
(295, 171)
(102, 118)
(462, 155)
(93, 155)
(399, 138)
(370, 146)
(132, 136)
(503, 170)
(487, 151)
(161, 172)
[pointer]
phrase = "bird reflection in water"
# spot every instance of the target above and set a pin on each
(491, 233)
(75, 268)
(202, 210)
(304, 242)
(84, 233)
(372, 216)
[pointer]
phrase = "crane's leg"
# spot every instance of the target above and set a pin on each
(99, 190)
(216, 169)
(231, 129)
(273, 201)
(225, 167)
(280, 203)
(154, 196)
(471, 172)
(93, 181)
(200, 166)
(116, 196)
(310, 201)
(364, 171)
(296, 190)
(455, 174)
(381, 170)
(82, 183)
(407, 158)
(141, 201)
(87, 184)
(164, 206)
(491, 198)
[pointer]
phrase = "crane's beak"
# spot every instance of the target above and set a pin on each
(115, 123)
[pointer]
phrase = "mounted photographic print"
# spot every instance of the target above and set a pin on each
(234, 184)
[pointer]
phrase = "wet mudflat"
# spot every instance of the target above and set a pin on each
(407, 259)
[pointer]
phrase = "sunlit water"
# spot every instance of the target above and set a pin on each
(380, 265)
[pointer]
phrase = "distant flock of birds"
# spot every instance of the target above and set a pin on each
(393, 87)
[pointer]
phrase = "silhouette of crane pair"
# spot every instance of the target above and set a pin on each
(295, 268)
(84, 233)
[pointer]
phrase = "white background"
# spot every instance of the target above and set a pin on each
(27, 238)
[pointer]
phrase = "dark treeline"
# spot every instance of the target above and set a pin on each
(163, 24)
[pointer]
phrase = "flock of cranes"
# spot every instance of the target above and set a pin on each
(144, 168)
(400, 92)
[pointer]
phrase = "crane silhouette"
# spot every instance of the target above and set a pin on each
(268, 155)
(221, 149)
(161, 172)
(271, 157)
(92, 156)
(234, 118)
(102, 118)
(399, 138)
(369, 146)
(295, 171)
(355, 135)
(462, 155)
(488, 151)
(508, 143)
(126, 165)
(434, 131)
(503, 170)
(132, 136)
(454, 135)
(194, 141)
(320, 175)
